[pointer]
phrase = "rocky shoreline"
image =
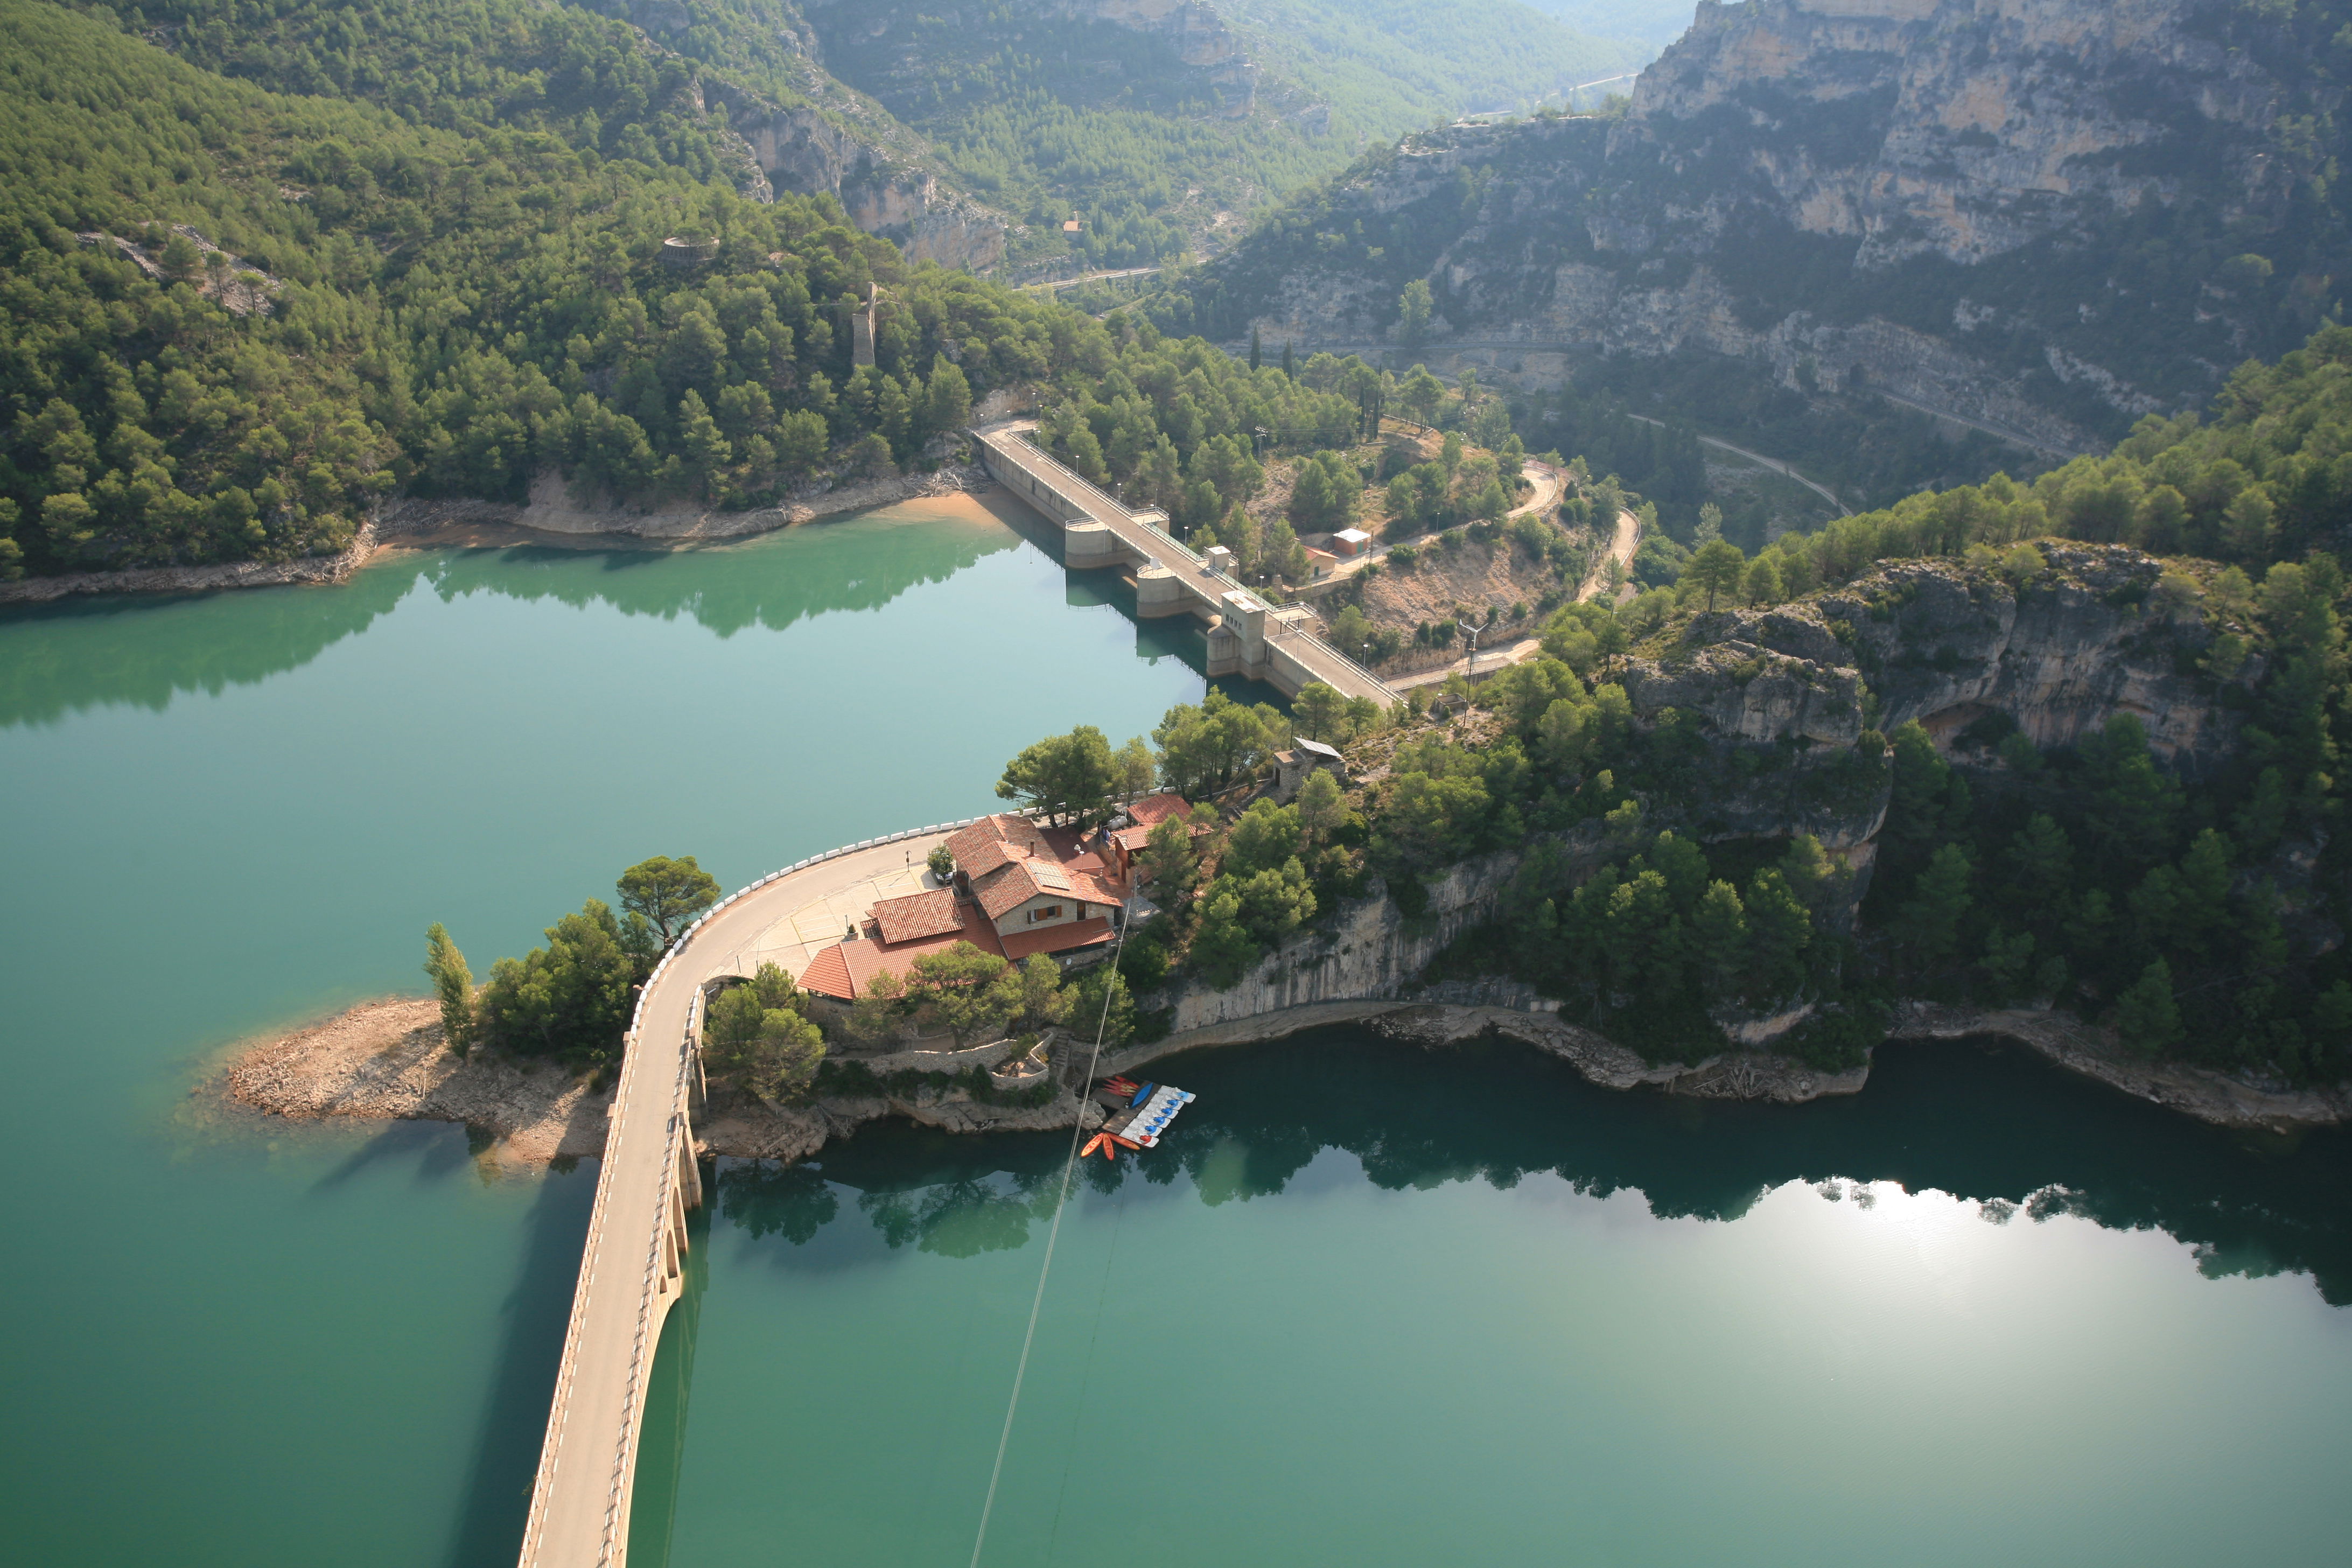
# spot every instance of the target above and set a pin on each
(549, 511)
(310, 569)
(384, 1060)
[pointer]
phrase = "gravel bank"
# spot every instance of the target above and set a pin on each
(386, 1061)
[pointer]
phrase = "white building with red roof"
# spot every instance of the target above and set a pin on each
(1018, 890)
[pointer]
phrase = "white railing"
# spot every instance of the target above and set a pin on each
(1300, 633)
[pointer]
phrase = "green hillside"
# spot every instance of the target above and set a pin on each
(1043, 113)
(1651, 23)
(1386, 67)
(234, 316)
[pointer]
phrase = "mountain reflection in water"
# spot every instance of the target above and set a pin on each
(1979, 1120)
(147, 649)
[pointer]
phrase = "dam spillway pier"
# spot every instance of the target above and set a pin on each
(1247, 636)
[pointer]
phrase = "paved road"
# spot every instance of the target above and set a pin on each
(1629, 539)
(1057, 285)
(628, 1269)
(1775, 463)
(1548, 484)
(1621, 549)
(1010, 443)
(2012, 436)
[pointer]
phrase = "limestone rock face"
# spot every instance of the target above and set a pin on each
(884, 193)
(1773, 700)
(878, 169)
(1950, 160)
(1778, 694)
(1979, 126)
(1374, 951)
(1748, 691)
(1946, 646)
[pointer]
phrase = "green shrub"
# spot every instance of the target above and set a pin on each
(1835, 1040)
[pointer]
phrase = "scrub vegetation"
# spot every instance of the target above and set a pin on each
(572, 999)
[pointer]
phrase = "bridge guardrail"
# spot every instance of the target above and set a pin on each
(1303, 634)
(599, 1212)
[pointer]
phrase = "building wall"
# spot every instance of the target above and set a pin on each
(1016, 920)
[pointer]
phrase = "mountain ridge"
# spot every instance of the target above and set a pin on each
(2046, 216)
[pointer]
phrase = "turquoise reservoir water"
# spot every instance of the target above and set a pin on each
(1368, 1305)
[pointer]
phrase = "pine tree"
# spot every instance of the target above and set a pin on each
(1719, 938)
(1927, 926)
(2146, 1015)
(455, 983)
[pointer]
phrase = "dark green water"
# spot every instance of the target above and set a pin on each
(1369, 1305)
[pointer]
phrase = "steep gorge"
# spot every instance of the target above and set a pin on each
(2047, 216)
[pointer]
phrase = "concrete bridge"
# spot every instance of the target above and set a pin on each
(631, 1274)
(631, 1267)
(1246, 636)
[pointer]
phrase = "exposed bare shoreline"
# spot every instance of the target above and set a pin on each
(384, 1060)
(549, 518)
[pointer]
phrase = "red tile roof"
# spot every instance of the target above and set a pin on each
(1008, 888)
(1155, 809)
(1064, 843)
(845, 970)
(918, 915)
(1097, 889)
(1057, 937)
(992, 841)
(828, 975)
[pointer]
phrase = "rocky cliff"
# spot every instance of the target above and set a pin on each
(1371, 952)
(1946, 644)
(2046, 217)
(884, 188)
(804, 130)
(1778, 698)
(1134, 113)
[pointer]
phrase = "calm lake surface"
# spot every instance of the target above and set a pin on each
(1369, 1305)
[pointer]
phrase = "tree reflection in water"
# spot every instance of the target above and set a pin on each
(1979, 1119)
(145, 649)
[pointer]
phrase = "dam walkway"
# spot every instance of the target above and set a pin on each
(1246, 636)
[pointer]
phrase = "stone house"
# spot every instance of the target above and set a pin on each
(1291, 767)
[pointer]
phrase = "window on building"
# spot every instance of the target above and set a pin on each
(1049, 912)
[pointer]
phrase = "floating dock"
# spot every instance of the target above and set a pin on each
(1140, 1114)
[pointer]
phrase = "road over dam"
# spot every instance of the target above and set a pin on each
(1246, 636)
(632, 1265)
